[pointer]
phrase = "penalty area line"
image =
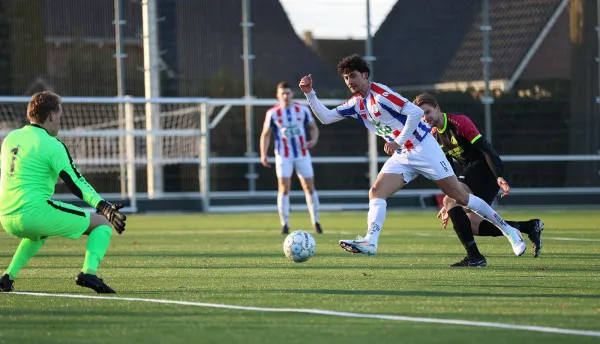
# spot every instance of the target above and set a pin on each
(330, 313)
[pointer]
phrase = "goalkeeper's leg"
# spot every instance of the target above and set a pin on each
(99, 233)
(26, 250)
(35, 225)
(64, 220)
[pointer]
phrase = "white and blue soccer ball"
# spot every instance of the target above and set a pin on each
(299, 246)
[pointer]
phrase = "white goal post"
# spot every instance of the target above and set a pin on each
(107, 137)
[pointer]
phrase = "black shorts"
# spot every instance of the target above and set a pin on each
(479, 178)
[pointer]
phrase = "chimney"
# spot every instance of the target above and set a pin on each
(310, 41)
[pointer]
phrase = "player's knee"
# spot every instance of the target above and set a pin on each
(376, 192)
(105, 229)
(309, 188)
(284, 189)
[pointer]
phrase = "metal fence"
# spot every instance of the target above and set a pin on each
(223, 53)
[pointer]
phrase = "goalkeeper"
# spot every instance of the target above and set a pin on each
(31, 161)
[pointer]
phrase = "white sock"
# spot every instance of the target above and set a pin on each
(482, 209)
(312, 201)
(283, 206)
(375, 219)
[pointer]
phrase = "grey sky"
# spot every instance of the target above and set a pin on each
(336, 18)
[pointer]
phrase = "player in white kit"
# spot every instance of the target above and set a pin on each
(414, 151)
(287, 121)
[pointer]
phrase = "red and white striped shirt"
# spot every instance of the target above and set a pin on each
(383, 112)
(288, 125)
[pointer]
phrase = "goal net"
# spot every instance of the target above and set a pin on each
(95, 134)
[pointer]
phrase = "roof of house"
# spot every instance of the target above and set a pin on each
(204, 38)
(428, 42)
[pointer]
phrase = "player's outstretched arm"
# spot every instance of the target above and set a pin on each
(62, 163)
(325, 115)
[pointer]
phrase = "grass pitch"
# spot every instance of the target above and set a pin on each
(237, 259)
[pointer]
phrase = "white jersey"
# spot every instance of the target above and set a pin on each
(288, 125)
(381, 112)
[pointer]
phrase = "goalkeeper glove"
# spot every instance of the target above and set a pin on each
(112, 214)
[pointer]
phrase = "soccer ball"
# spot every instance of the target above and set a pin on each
(299, 246)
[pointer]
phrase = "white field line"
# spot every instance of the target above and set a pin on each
(330, 313)
(543, 237)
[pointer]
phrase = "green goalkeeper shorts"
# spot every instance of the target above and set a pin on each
(50, 219)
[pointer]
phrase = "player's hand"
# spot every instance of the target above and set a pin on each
(504, 186)
(306, 84)
(310, 144)
(265, 162)
(444, 215)
(113, 215)
(391, 147)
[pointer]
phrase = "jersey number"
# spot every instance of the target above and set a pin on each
(14, 152)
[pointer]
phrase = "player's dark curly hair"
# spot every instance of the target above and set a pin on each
(353, 62)
(41, 105)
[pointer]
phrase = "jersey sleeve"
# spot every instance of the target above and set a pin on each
(325, 115)
(348, 108)
(467, 129)
(492, 158)
(268, 120)
(62, 163)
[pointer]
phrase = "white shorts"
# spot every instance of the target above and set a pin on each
(285, 166)
(426, 159)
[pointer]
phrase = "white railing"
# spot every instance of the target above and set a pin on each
(208, 120)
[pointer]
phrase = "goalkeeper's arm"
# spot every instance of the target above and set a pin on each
(62, 163)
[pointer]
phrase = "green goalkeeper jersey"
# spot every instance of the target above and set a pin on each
(31, 161)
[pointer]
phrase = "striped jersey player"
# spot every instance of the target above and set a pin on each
(288, 125)
(380, 110)
(286, 122)
(413, 150)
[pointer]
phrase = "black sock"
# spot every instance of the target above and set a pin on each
(462, 227)
(486, 228)
(526, 227)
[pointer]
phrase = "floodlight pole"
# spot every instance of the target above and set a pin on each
(119, 56)
(598, 39)
(248, 79)
(372, 142)
(487, 100)
(152, 90)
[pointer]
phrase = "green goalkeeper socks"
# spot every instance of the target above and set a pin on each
(97, 245)
(26, 250)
